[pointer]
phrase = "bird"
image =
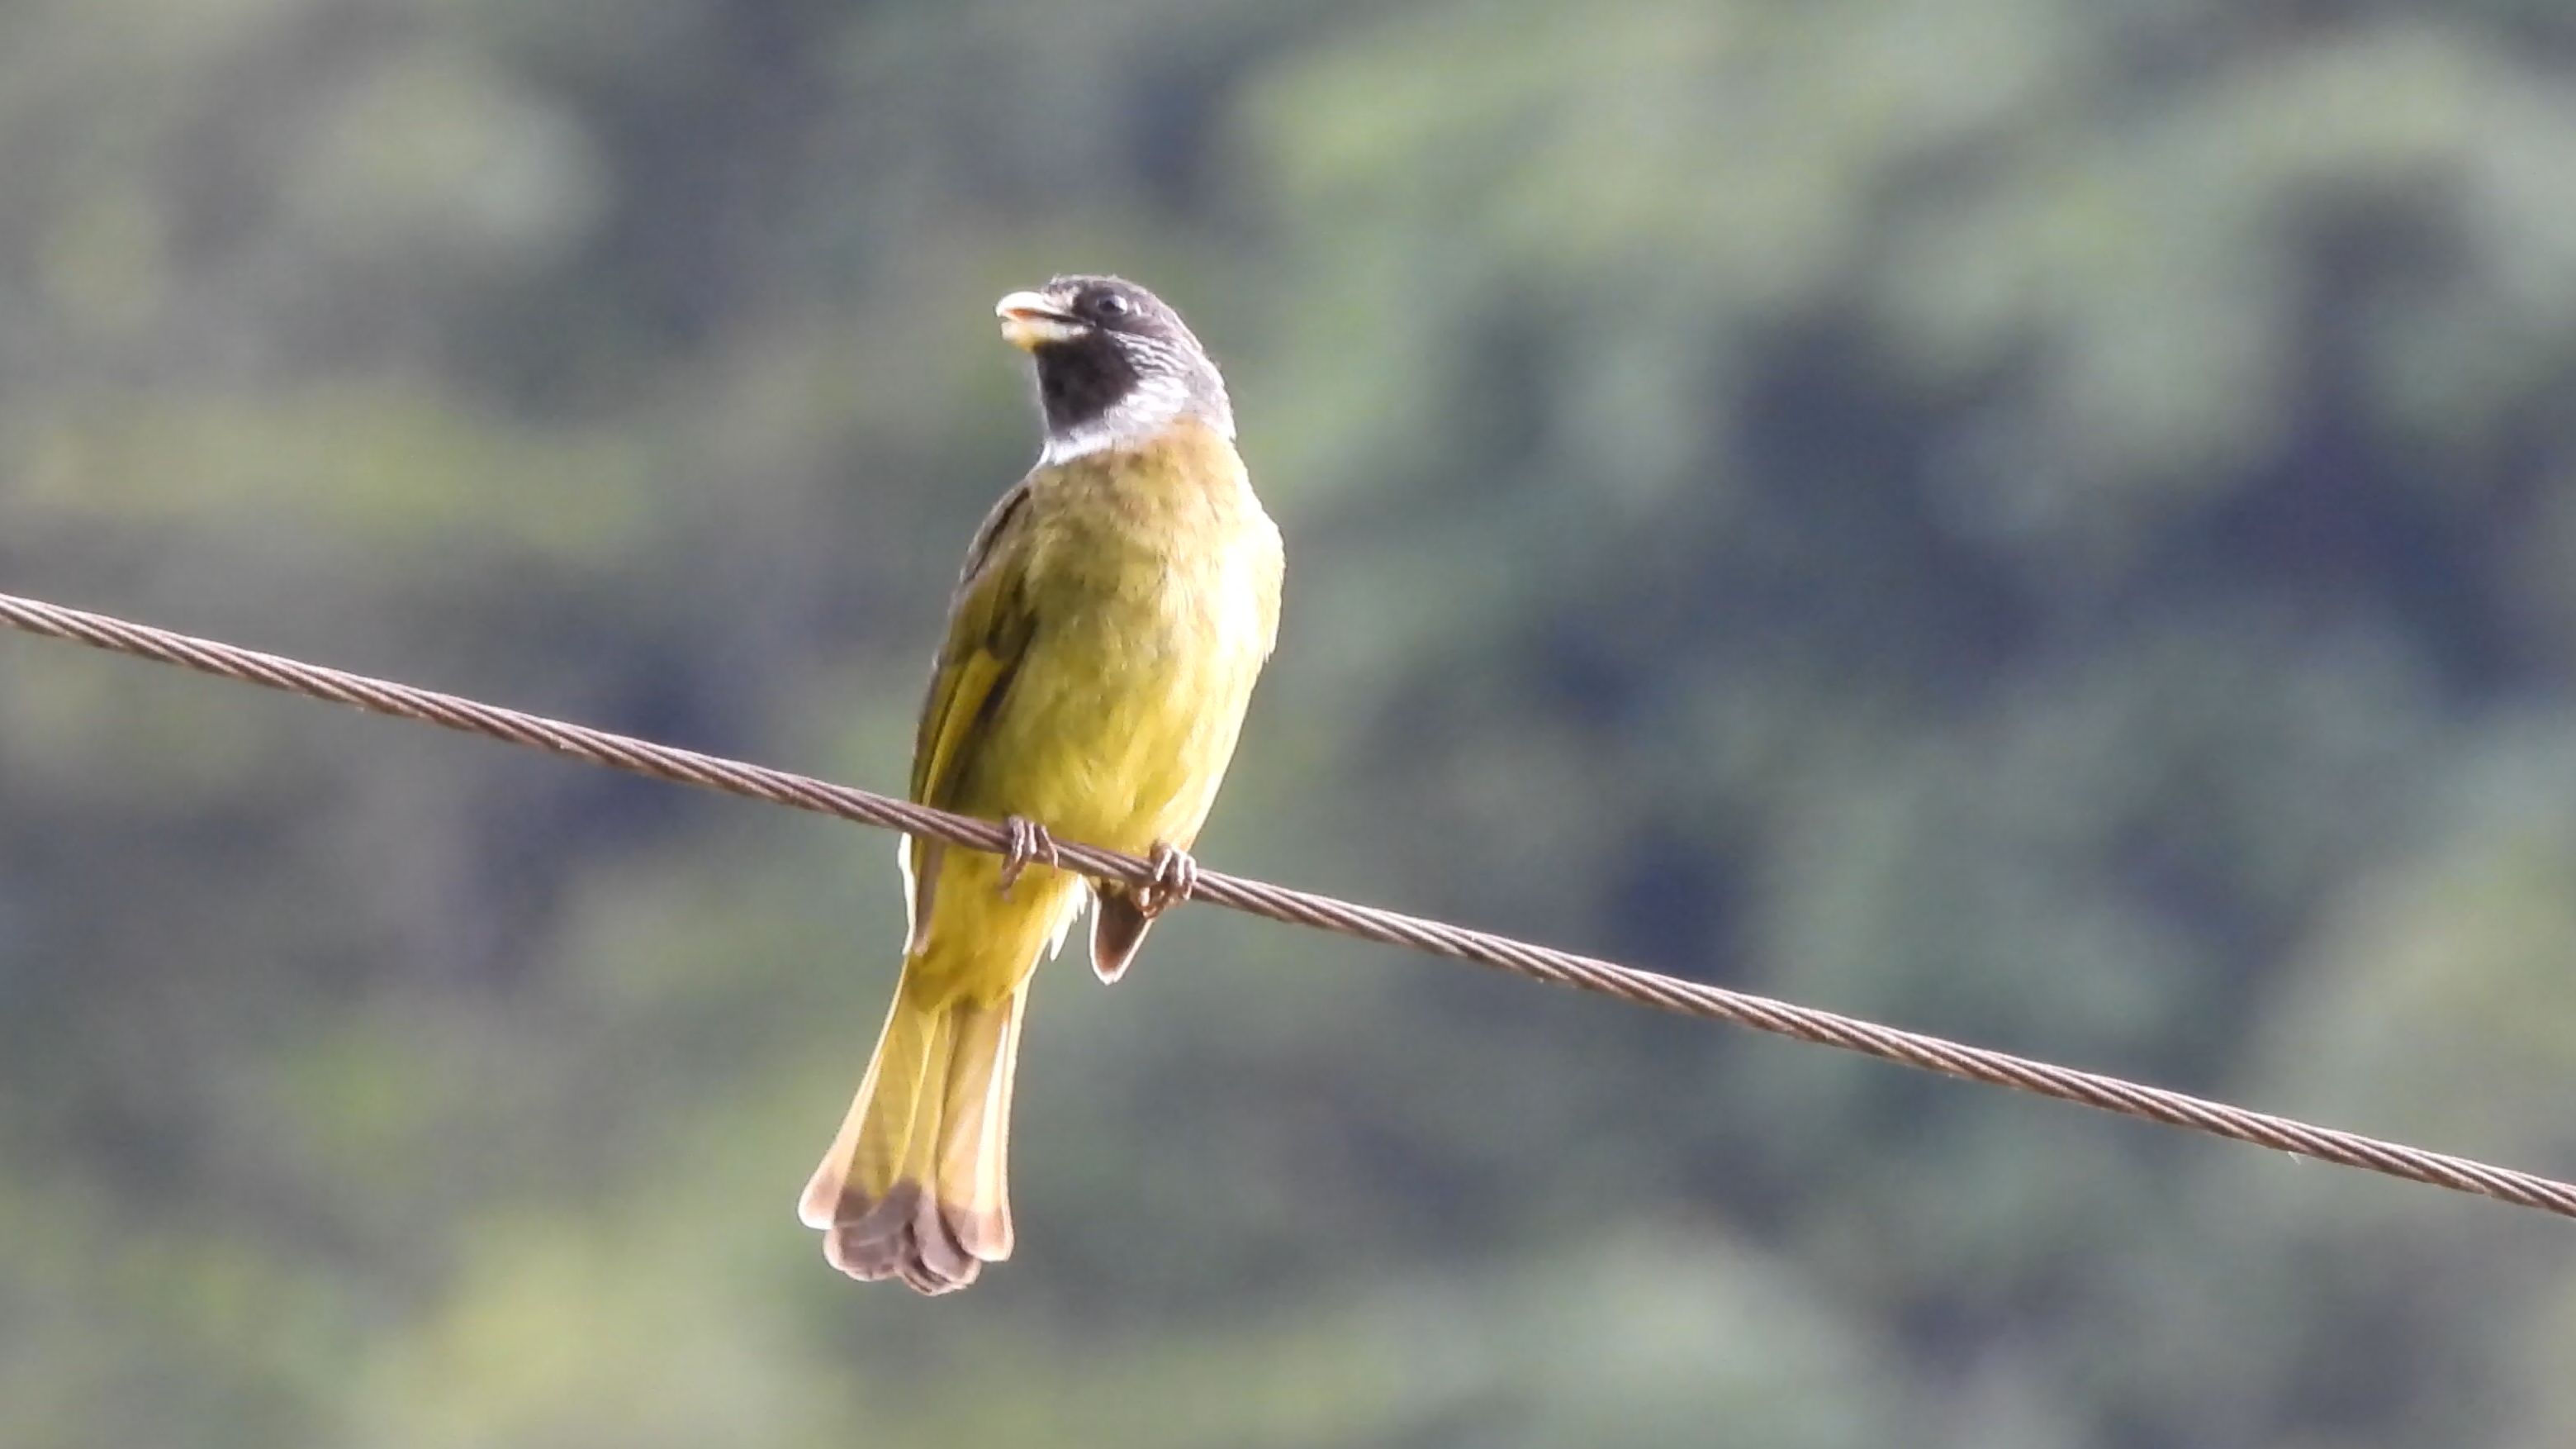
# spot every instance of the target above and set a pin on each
(1113, 613)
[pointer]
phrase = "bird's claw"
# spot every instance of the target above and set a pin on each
(1176, 876)
(1026, 841)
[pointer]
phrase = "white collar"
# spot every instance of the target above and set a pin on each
(1147, 409)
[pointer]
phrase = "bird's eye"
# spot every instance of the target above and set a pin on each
(1110, 304)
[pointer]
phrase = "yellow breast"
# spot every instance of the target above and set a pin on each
(1154, 577)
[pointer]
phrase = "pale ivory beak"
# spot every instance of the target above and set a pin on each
(1033, 319)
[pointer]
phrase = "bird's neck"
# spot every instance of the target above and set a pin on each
(1095, 401)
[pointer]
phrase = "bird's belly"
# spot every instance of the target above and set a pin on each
(1123, 714)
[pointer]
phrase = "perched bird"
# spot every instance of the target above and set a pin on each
(1114, 611)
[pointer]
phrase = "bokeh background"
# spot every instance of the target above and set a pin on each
(2047, 521)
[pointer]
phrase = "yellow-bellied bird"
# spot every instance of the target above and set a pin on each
(1113, 613)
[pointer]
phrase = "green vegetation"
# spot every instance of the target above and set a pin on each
(2048, 522)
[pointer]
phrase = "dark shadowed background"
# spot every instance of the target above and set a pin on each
(2046, 521)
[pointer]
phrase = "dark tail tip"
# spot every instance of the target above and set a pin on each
(901, 1235)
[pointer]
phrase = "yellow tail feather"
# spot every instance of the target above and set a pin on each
(916, 1186)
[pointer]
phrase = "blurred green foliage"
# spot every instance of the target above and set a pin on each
(2045, 521)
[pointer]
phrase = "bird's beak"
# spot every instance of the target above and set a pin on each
(1031, 320)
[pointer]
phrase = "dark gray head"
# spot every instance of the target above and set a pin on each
(1114, 364)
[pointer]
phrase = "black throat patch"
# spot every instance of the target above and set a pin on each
(1080, 381)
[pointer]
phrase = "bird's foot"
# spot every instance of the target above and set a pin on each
(1176, 875)
(1028, 843)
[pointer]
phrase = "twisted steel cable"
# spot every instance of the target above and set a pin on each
(1278, 903)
